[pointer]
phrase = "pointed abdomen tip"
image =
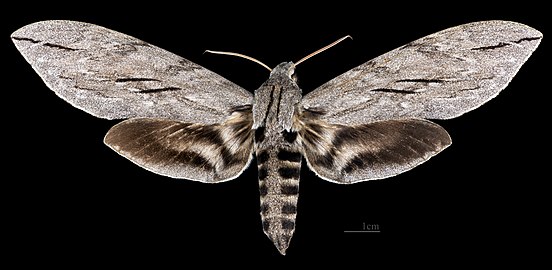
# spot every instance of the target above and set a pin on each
(281, 245)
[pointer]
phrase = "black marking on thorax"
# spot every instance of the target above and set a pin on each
(275, 96)
(279, 101)
(269, 104)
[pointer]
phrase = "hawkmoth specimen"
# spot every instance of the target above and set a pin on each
(185, 121)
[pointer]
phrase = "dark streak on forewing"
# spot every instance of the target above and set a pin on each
(57, 46)
(158, 90)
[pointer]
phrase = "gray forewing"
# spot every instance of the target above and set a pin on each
(112, 75)
(440, 76)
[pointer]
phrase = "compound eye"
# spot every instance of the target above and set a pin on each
(292, 74)
(294, 77)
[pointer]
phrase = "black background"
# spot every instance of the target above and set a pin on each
(71, 200)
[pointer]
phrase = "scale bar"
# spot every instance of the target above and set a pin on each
(361, 231)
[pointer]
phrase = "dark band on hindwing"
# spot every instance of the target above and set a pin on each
(348, 154)
(326, 160)
(202, 152)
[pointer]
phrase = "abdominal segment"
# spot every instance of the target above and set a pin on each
(279, 164)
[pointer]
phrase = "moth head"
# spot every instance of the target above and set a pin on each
(285, 69)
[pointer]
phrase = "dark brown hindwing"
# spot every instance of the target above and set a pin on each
(206, 153)
(349, 154)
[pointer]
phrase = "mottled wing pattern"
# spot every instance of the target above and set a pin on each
(115, 76)
(439, 76)
(202, 152)
(349, 154)
(367, 123)
(199, 124)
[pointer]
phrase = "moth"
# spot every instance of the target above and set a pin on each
(184, 121)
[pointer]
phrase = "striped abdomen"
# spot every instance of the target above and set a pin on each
(279, 164)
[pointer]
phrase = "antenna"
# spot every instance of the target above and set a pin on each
(242, 56)
(267, 67)
(323, 49)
